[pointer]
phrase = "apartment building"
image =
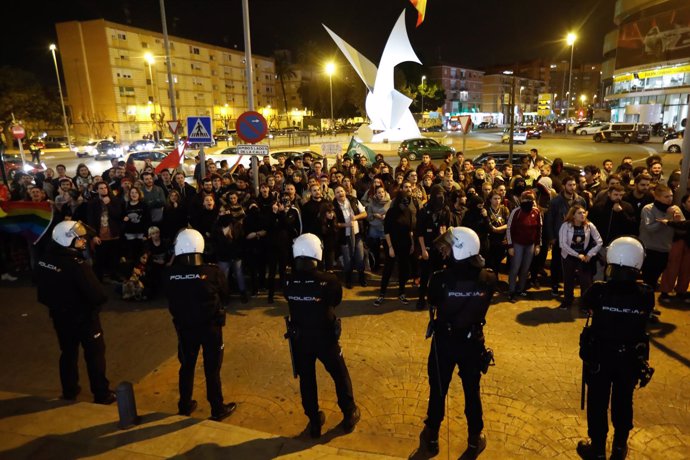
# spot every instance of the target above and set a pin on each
(463, 88)
(117, 83)
(496, 95)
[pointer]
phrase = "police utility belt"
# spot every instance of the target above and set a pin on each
(473, 332)
(294, 332)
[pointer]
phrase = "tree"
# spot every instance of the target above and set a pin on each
(434, 96)
(22, 95)
(284, 71)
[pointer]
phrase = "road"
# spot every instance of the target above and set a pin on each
(581, 150)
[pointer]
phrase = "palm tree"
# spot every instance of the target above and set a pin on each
(284, 71)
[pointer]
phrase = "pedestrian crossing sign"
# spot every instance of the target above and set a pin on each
(199, 130)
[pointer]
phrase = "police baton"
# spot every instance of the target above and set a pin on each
(289, 335)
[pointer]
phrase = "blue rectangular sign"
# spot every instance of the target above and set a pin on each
(199, 130)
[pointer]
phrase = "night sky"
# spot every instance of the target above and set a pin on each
(472, 33)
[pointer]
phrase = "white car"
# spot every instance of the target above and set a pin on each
(585, 130)
(155, 156)
(673, 145)
(519, 136)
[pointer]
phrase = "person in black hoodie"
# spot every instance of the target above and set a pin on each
(228, 241)
(279, 244)
(204, 222)
(398, 226)
(328, 232)
(255, 253)
(477, 218)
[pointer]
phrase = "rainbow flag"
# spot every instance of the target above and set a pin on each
(26, 218)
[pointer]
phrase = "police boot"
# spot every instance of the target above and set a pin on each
(476, 443)
(619, 449)
(315, 424)
(588, 450)
(428, 439)
(350, 420)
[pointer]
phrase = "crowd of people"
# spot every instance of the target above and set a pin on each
(374, 218)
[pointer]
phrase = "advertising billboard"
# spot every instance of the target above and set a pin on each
(662, 36)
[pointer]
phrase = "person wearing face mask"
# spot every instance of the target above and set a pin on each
(524, 241)
(68, 286)
(477, 219)
(432, 220)
(517, 186)
(377, 207)
(657, 237)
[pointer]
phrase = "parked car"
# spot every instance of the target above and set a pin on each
(589, 129)
(626, 132)
(486, 125)
(674, 135)
(673, 145)
(415, 148)
(156, 156)
(501, 158)
(291, 154)
(533, 132)
(141, 144)
(519, 135)
(13, 163)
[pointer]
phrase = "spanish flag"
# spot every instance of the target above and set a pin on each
(26, 218)
(420, 5)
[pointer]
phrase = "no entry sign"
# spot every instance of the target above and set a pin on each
(251, 127)
(18, 132)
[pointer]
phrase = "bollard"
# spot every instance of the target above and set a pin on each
(126, 406)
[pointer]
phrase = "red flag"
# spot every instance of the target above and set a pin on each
(420, 5)
(173, 160)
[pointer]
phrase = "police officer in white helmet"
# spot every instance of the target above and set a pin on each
(68, 286)
(615, 348)
(197, 293)
(314, 331)
(459, 298)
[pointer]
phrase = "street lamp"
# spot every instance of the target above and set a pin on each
(157, 119)
(423, 87)
(570, 40)
(62, 99)
(330, 70)
(225, 118)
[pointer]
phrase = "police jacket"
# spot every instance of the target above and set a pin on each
(461, 294)
(196, 294)
(312, 296)
(620, 310)
(67, 284)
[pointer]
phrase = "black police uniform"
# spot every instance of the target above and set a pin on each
(312, 296)
(461, 294)
(196, 294)
(614, 354)
(430, 224)
(68, 286)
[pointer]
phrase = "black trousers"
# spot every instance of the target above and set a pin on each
(85, 331)
(556, 265)
(402, 259)
(210, 339)
(105, 258)
(653, 266)
(426, 268)
(614, 382)
(574, 268)
(278, 259)
(327, 350)
(445, 354)
(494, 255)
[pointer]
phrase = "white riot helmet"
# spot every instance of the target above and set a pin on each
(625, 252)
(65, 232)
(307, 245)
(189, 241)
(464, 242)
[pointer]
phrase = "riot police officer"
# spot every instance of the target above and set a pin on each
(196, 295)
(68, 286)
(314, 331)
(459, 298)
(615, 348)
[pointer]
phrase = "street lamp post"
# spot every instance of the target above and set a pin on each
(62, 99)
(157, 118)
(583, 99)
(423, 88)
(225, 118)
(330, 70)
(570, 40)
(512, 115)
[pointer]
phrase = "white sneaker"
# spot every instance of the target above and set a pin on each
(8, 277)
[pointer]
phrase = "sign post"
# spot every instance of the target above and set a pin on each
(19, 133)
(252, 128)
(199, 131)
(466, 123)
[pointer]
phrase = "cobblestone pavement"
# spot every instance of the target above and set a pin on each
(531, 397)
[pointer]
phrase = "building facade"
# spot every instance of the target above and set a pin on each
(497, 90)
(463, 88)
(117, 83)
(647, 62)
